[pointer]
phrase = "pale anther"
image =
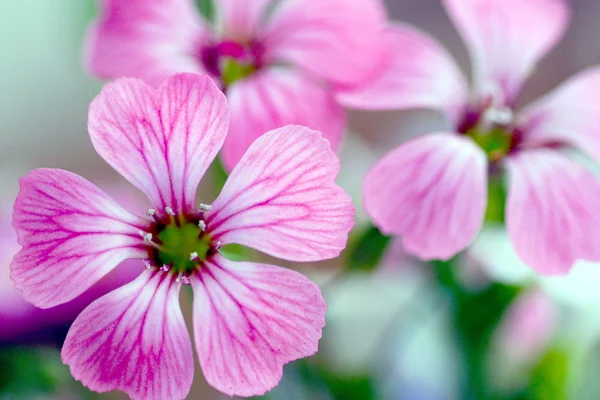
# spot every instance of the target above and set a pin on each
(148, 238)
(149, 266)
(500, 116)
(202, 225)
(218, 244)
(186, 280)
(194, 256)
(204, 207)
(150, 212)
(169, 211)
(165, 268)
(179, 277)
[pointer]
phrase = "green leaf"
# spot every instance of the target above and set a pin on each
(476, 315)
(219, 174)
(25, 371)
(340, 386)
(549, 378)
(207, 9)
(367, 251)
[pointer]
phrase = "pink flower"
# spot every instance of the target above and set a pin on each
(249, 318)
(432, 191)
(527, 327)
(277, 61)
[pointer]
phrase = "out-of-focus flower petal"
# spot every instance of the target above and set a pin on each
(240, 19)
(527, 326)
(249, 320)
(417, 72)
(432, 192)
(145, 39)
(338, 40)
(72, 235)
(282, 198)
(161, 140)
(570, 114)
(135, 340)
(551, 212)
(506, 38)
(274, 98)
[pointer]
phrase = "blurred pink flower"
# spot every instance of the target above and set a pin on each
(249, 318)
(527, 327)
(277, 61)
(432, 191)
(20, 320)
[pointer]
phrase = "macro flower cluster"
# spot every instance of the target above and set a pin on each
(262, 86)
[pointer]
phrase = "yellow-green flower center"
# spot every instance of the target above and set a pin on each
(183, 246)
(496, 142)
(234, 71)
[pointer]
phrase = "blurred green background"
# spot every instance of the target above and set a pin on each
(478, 327)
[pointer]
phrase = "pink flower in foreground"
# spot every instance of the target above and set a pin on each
(277, 61)
(249, 319)
(432, 190)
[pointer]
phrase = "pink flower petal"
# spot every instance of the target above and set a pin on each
(251, 319)
(240, 20)
(570, 114)
(507, 38)
(135, 340)
(161, 140)
(418, 72)
(274, 98)
(432, 192)
(145, 39)
(72, 235)
(527, 327)
(338, 40)
(282, 199)
(551, 213)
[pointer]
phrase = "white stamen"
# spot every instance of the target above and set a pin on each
(499, 116)
(149, 266)
(202, 225)
(186, 280)
(150, 212)
(179, 277)
(218, 244)
(204, 207)
(165, 268)
(169, 211)
(194, 256)
(148, 238)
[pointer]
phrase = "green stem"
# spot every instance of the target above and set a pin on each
(475, 317)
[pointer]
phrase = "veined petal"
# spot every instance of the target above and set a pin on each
(249, 320)
(135, 340)
(417, 72)
(570, 114)
(337, 40)
(282, 199)
(506, 39)
(145, 39)
(162, 140)
(71, 233)
(274, 98)
(240, 19)
(432, 192)
(551, 213)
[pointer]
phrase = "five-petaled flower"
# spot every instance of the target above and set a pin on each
(249, 318)
(432, 190)
(279, 61)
